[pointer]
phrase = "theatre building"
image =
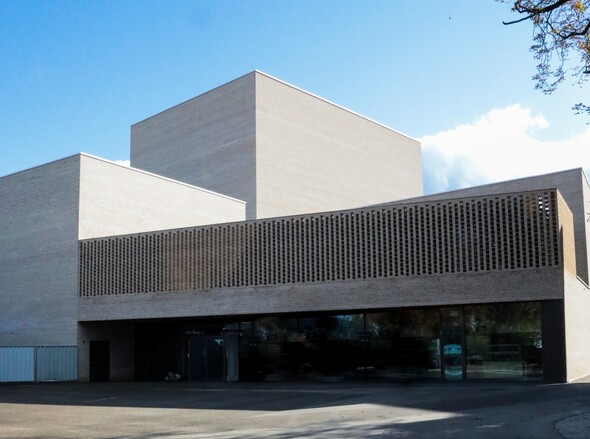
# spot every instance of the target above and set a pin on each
(263, 233)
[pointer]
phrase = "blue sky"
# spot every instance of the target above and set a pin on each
(74, 75)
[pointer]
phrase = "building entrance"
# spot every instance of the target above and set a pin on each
(100, 358)
(488, 341)
(205, 357)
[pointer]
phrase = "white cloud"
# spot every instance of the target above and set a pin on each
(500, 145)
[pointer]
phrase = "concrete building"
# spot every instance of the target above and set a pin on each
(282, 150)
(333, 267)
(45, 211)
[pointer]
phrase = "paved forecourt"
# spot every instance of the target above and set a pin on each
(189, 410)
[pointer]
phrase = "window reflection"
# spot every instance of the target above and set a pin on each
(335, 346)
(504, 341)
(404, 343)
(277, 343)
(499, 341)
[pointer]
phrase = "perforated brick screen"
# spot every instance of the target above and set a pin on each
(501, 232)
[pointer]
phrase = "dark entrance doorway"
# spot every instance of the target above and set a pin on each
(205, 357)
(100, 360)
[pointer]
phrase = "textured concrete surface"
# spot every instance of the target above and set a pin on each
(282, 150)
(335, 410)
(360, 294)
(207, 141)
(116, 200)
(313, 155)
(39, 255)
(577, 327)
(46, 209)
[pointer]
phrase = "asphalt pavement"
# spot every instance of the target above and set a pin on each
(295, 410)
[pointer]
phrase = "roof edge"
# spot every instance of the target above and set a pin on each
(170, 180)
(41, 165)
(259, 72)
(484, 185)
(193, 98)
(335, 105)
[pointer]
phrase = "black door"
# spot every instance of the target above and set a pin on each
(205, 358)
(100, 360)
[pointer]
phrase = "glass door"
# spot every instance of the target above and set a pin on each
(205, 356)
(453, 353)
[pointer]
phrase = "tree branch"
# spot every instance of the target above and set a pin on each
(575, 34)
(528, 17)
(561, 30)
(534, 11)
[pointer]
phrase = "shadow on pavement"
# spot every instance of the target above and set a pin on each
(294, 410)
(456, 397)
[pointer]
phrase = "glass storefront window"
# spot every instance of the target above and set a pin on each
(496, 341)
(334, 346)
(451, 316)
(404, 344)
(504, 341)
(276, 343)
(326, 347)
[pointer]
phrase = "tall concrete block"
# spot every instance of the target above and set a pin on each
(39, 257)
(282, 150)
(314, 156)
(208, 141)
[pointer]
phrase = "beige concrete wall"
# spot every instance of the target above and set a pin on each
(116, 200)
(313, 156)
(577, 328)
(573, 186)
(282, 150)
(351, 295)
(576, 305)
(39, 255)
(208, 141)
(43, 212)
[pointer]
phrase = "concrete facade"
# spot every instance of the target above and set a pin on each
(341, 296)
(501, 251)
(116, 200)
(39, 258)
(313, 156)
(219, 230)
(282, 150)
(45, 211)
(208, 141)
